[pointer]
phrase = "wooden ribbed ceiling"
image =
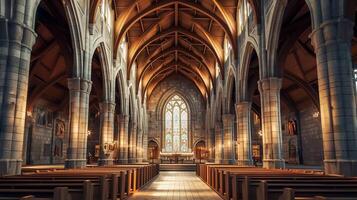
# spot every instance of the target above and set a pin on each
(182, 36)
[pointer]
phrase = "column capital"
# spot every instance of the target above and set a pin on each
(78, 84)
(243, 106)
(107, 106)
(335, 30)
(272, 83)
(227, 118)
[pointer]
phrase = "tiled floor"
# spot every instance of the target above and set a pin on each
(176, 186)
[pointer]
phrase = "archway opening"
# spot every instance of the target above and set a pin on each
(95, 98)
(254, 97)
(153, 152)
(300, 116)
(46, 129)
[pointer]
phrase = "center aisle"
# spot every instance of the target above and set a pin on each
(175, 185)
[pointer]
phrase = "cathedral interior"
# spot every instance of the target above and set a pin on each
(178, 99)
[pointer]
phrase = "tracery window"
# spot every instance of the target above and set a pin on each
(176, 126)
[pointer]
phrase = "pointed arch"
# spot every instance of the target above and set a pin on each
(176, 115)
(249, 48)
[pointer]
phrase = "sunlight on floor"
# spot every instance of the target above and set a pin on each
(176, 185)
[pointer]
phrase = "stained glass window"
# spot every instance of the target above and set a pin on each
(176, 126)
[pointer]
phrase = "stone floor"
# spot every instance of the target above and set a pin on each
(173, 185)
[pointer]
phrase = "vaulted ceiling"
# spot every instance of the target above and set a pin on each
(182, 36)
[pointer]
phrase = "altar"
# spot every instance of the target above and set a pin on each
(175, 158)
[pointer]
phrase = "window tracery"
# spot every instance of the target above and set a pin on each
(176, 126)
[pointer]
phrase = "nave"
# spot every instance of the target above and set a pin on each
(176, 185)
(95, 95)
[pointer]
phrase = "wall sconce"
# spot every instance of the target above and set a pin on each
(89, 132)
(316, 114)
(260, 133)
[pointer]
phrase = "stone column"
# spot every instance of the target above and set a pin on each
(132, 145)
(228, 153)
(139, 146)
(269, 89)
(218, 143)
(145, 147)
(79, 91)
(244, 140)
(16, 40)
(332, 43)
(107, 110)
(29, 123)
(123, 139)
(211, 144)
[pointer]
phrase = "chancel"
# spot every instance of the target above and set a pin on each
(178, 99)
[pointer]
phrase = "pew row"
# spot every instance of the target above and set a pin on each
(248, 183)
(102, 183)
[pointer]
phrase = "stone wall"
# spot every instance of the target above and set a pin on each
(46, 138)
(195, 100)
(311, 135)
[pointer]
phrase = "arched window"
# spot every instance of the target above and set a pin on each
(176, 126)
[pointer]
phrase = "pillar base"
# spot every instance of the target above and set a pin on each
(10, 167)
(132, 160)
(123, 161)
(245, 162)
(274, 163)
(341, 167)
(218, 161)
(105, 162)
(75, 163)
(139, 160)
(227, 161)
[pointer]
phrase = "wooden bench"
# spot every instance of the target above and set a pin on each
(233, 182)
(101, 183)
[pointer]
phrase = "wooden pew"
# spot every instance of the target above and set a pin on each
(268, 190)
(289, 194)
(105, 183)
(58, 193)
(233, 182)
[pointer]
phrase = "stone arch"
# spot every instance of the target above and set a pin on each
(160, 109)
(249, 48)
(198, 141)
(132, 105)
(105, 69)
(273, 34)
(74, 22)
(122, 92)
(230, 90)
(218, 108)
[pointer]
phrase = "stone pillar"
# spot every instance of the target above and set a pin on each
(228, 153)
(29, 123)
(145, 147)
(244, 140)
(211, 144)
(16, 40)
(332, 43)
(123, 139)
(132, 145)
(269, 89)
(218, 143)
(139, 146)
(107, 110)
(79, 91)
